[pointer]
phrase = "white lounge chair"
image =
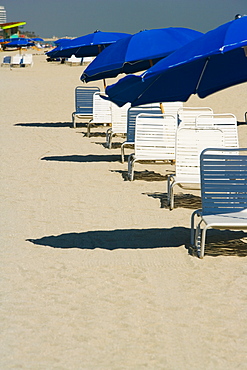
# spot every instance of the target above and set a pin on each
(119, 122)
(27, 60)
(227, 122)
(154, 139)
(87, 60)
(223, 193)
(6, 61)
(16, 60)
(131, 122)
(169, 108)
(187, 115)
(74, 61)
(190, 141)
(83, 103)
(102, 113)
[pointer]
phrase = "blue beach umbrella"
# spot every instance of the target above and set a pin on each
(62, 41)
(19, 43)
(137, 52)
(208, 64)
(86, 46)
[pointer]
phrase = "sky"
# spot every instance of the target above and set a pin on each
(73, 18)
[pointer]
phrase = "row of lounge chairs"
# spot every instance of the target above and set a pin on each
(17, 60)
(183, 136)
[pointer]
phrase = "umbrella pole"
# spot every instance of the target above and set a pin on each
(162, 108)
(161, 105)
(104, 82)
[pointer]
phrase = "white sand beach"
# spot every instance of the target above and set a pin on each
(96, 272)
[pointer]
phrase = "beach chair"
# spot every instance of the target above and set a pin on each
(6, 61)
(87, 60)
(27, 60)
(101, 111)
(227, 122)
(223, 194)
(119, 122)
(154, 139)
(16, 60)
(83, 103)
(131, 121)
(187, 115)
(74, 61)
(190, 141)
(169, 108)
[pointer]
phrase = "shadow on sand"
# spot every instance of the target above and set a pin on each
(83, 158)
(181, 200)
(46, 124)
(219, 243)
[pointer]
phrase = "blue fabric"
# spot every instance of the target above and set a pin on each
(86, 46)
(208, 64)
(20, 43)
(133, 53)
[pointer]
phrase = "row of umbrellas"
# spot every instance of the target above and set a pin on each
(177, 62)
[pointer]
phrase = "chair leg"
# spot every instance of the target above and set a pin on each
(109, 135)
(73, 120)
(169, 190)
(122, 153)
(198, 239)
(192, 226)
(88, 128)
(131, 161)
(204, 231)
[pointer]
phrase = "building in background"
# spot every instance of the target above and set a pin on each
(11, 30)
(3, 18)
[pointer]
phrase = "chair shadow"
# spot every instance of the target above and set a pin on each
(46, 124)
(240, 123)
(224, 243)
(83, 158)
(143, 175)
(181, 200)
(219, 243)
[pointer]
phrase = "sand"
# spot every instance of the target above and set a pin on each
(96, 272)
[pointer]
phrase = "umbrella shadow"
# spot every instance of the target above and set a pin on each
(181, 200)
(118, 239)
(46, 124)
(219, 243)
(83, 158)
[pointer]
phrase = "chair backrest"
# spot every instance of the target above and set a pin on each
(84, 99)
(226, 122)
(6, 59)
(16, 59)
(133, 113)
(101, 109)
(27, 59)
(119, 118)
(172, 107)
(223, 180)
(155, 136)
(74, 60)
(187, 115)
(190, 141)
(87, 60)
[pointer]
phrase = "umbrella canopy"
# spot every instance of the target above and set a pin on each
(208, 64)
(62, 41)
(135, 52)
(38, 39)
(20, 43)
(86, 46)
